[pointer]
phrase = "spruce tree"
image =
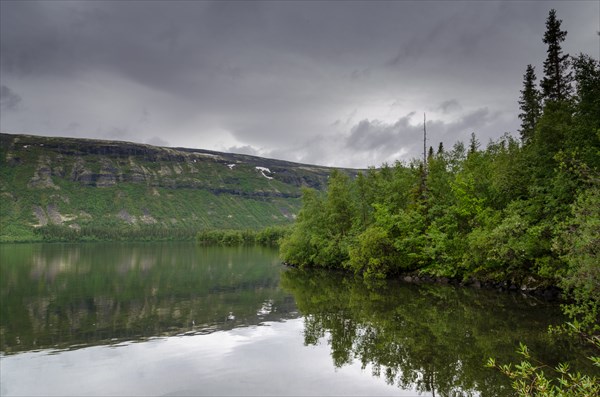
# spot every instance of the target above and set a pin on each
(530, 106)
(473, 143)
(557, 78)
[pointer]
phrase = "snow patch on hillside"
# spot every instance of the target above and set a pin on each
(263, 170)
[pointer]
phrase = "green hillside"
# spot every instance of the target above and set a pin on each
(64, 188)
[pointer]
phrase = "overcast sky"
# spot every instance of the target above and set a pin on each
(333, 83)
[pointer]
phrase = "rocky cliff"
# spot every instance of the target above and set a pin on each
(102, 188)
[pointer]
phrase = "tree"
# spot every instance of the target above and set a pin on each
(302, 246)
(363, 199)
(340, 207)
(556, 82)
(473, 143)
(578, 244)
(530, 106)
(585, 136)
(587, 78)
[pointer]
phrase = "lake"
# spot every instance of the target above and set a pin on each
(182, 319)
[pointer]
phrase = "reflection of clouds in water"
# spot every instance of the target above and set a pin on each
(269, 359)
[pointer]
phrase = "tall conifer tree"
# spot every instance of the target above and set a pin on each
(473, 143)
(557, 78)
(530, 106)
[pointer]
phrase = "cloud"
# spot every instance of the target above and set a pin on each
(449, 106)
(374, 142)
(380, 136)
(323, 82)
(117, 133)
(246, 149)
(156, 141)
(9, 100)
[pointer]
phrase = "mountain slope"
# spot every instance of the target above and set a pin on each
(92, 189)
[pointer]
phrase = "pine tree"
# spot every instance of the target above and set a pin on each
(557, 78)
(530, 106)
(473, 143)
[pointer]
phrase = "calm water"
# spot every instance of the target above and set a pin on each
(181, 319)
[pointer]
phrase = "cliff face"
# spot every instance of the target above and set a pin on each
(81, 184)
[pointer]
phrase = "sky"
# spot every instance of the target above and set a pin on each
(343, 84)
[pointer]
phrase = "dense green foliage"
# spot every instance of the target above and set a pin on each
(525, 213)
(512, 211)
(502, 213)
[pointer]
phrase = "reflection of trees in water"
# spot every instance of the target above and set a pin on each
(127, 291)
(429, 337)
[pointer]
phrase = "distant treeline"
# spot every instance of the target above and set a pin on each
(270, 236)
(56, 233)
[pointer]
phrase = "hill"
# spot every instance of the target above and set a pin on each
(66, 188)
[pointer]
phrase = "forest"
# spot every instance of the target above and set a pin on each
(524, 211)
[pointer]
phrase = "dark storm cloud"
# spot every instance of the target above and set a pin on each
(290, 79)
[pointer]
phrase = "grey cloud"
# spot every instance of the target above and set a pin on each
(117, 133)
(385, 142)
(145, 117)
(276, 75)
(156, 141)
(246, 149)
(449, 106)
(382, 139)
(9, 100)
(374, 142)
(380, 136)
(73, 127)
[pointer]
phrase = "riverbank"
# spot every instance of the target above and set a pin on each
(530, 286)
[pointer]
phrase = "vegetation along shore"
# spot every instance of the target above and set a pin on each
(522, 212)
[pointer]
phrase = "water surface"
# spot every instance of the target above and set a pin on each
(181, 319)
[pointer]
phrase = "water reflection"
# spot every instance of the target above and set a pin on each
(432, 338)
(267, 359)
(60, 296)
